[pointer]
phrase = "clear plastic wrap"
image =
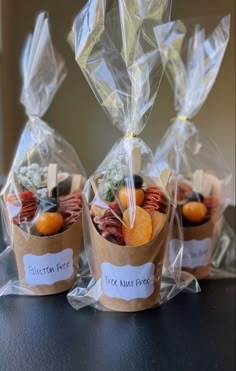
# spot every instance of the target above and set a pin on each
(192, 57)
(41, 200)
(127, 215)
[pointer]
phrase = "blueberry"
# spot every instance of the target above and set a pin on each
(194, 196)
(48, 204)
(138, 181)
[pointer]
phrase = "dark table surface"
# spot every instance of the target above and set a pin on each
(191, 332)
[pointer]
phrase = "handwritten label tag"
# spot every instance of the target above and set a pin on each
(128, 282)
(49, 268)
(195, 254)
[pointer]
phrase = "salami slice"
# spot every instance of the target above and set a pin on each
(21, 207)
(70, 206)
(154, 200)
(107, 223)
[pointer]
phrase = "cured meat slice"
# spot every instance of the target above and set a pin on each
(155, 200)
(21, 207)
(107, 223)
(183, 191)
(212, 204)
(70, 206)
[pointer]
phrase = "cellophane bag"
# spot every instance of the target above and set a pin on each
(41, 200)
(201, 181)
(126, 213)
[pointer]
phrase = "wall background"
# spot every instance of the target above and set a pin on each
(1, 133)
(75, 112)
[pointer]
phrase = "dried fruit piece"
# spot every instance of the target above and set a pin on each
(49, 223)
(158, 221)
(194, 212)
(142, 229)
(123, 195)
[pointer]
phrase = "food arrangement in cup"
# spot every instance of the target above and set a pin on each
(118, 221)
(44, 202)
(198, 198)
(199, 207)
(43, 207)
(127, 218)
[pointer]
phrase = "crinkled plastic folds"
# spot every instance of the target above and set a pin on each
(41, 200)
(192, 55)
(127, 214)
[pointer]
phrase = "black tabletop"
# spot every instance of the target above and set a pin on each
(190, 332)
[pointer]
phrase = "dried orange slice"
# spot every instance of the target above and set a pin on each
(142, 229)
(158, 221)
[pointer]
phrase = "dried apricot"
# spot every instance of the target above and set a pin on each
(194, 212)
(124, 194)
(141, 231)
(158, 221)
(49, 223)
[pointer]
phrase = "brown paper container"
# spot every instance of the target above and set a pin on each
(25, 244)
(201, 232)
(107, 252)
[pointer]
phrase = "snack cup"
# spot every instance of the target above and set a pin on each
(48, 265)
(129, 276)
(199, 240)
(198, 248)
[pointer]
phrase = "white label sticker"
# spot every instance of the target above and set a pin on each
(49, 268)
(195, 254)
(128, 282)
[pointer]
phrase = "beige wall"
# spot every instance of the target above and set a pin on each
(1, 131)
(1, 135)
(75, 111)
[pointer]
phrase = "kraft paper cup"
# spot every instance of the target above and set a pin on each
(129, 275)
(48, 265)
(198, 248)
